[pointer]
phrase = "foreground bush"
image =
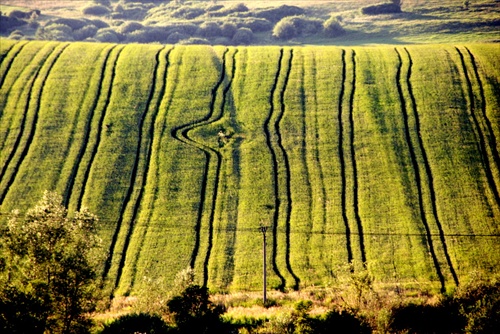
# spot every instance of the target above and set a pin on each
(96, 10)
(137, 323)
(332, 28)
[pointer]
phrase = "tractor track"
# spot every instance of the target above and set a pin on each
(491, 133)
(34, 122)
(286, 160)
(482, 141)
(128, 201)
(181, 133)
(218, 168)
(99, 126)
(147, 159)
(274, 159)
(161, 95)
(10, 62)
(343, 185)
(68, 192)
(357, 217)
(416, 170)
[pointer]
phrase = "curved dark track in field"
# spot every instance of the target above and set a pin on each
(479, 129)
(142, 180)
(274, 160)
(418, 179)
(68, 192)
(32, 130)
(94, 148)
(218, 169)
(288, 176)
(354, 165)
(9, 64)
(342, 160)
(491, 133)
(5, 55)
(181, 133)
(148, 166)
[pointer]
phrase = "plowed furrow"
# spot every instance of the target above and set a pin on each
(93, 150)
(482, 140)
(31, 131)
(357, 217)
(416, 170)
(343, 185)
(68, 192)
(274, 160)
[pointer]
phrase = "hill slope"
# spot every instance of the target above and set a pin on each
(380, 157)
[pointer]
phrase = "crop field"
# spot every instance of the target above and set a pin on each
(383, 159)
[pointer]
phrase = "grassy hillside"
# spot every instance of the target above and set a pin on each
(377, 158)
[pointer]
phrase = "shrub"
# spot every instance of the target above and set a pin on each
(195, 40)
(19, 14)
(129, 27)
(228, 30)
(255, 24)
(88, 31)
(9, 23)
(285, 29)
(96, 10)
(193, 312)
(188, 13)
(137, 323)
(106, 36)
(147, 36)
(225, 11)
(276, 14)
(176, 37)
(208, 30)
(16, 34)
(340, 322)
(221, 41)
(383, 8)
(55, 32)
(243, 36)
(99, 23)
(74, 24)
(332, 28)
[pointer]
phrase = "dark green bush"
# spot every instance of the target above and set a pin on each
(277, 13)
(340, 322)
(74, 24)
(243, 36)
(417, 318)
(383, 8)
(21, 312)
(9, 23)
(332, 28)
(96, 10)
(255, 24)
(193, 312)
(195, 40)
(176, 37)
(209, 30)
(88, 31)
(99, 23)
(228, 29)
(285, 29)
(107, 36)
(129, 27)
(137, 323)
(19, 14)
(188, 13)
(226, 11)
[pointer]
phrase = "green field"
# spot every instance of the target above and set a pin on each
(384, 158)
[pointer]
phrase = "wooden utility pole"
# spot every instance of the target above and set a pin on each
(263, 229)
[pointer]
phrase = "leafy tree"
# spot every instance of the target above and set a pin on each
(49, 268)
